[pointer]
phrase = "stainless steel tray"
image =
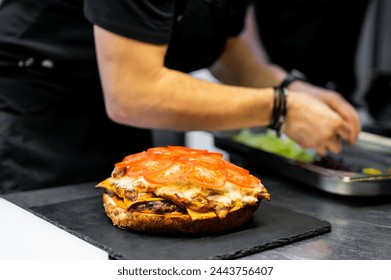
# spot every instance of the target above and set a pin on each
(369, 151)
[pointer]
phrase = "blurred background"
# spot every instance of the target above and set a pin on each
(345, 44)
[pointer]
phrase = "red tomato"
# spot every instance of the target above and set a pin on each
(208, 161)
(208, 176)
(243, 180)
(168, 164)
(148, 166)
(215, 154)
(159, 151)
(170, 174)
(135, 157)
(186, 150)
(236, 168)
(129, 160)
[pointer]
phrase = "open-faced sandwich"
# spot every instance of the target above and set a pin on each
(176, 189)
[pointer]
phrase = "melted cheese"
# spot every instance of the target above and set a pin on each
(200, 216)
(119, 202)
(210, 214)
(106, 184)
(230, 197)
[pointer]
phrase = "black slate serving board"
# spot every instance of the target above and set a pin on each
(271, 227)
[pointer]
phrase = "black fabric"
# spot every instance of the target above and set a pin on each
(47, 29)
(319, 38)
(200, 35)
(145, 20)
(53, 125)
(271, 227)
(46, 151)
(47, 58)
(195, 30)
(378, 100)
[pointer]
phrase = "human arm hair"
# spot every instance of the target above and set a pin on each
(140, 91)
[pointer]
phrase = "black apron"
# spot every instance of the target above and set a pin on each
(53, 126)
(59, 143)
(46, 151)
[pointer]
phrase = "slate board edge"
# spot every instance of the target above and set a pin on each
(274, 244)
(231, 256)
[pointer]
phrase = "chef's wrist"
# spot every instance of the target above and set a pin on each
(280, 102)
(280, 109)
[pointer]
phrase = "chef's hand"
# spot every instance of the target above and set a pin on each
(336, 102)
(314, 124)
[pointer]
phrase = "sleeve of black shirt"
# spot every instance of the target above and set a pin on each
(149, 21)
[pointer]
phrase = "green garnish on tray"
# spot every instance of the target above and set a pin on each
(270, 142)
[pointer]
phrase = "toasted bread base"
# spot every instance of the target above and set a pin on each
(175, 223)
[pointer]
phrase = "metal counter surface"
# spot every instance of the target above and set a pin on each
(361, 227)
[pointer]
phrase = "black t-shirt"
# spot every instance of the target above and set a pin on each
(195, 30)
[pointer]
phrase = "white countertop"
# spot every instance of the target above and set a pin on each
(24, 236)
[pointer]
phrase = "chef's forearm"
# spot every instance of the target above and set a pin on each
(178, 101)
(140, 91)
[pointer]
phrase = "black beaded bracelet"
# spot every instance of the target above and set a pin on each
(280, 106)
(279, 109)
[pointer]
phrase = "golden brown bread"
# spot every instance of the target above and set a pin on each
(175, 223)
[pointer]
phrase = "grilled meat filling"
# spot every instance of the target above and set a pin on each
(157, 207)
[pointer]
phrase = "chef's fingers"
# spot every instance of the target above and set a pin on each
(334, 145)
(343, 132)
(322, 150)
(349, 115)
(333, 142)
(354, 124)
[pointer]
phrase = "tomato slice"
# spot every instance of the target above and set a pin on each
(209, 161)
(170, 174)
(129, 160)
(215, 155)
(152, 164)
(135, 157)
(243, 180)
(159, 151)
(186, 150)
(167, 164)
(236, 168)
(208, 176)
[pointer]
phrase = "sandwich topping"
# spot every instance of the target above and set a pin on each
(176, 180)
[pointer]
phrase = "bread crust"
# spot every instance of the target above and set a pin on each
(175, 223)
